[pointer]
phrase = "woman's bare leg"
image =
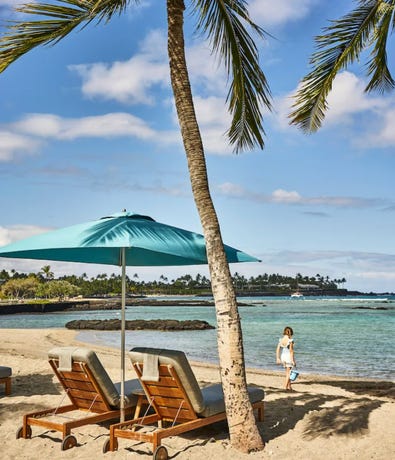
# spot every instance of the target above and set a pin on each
(287, 378)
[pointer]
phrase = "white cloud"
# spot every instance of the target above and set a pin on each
(134, 81)
(41, 125)
(230, 189)
(125, 82)
(13, 145)
(108, 125)
(214, 120)
(212, 111)
(380, 275)
(279, 12)
(7, 8)
(348, 98)
(18, 232)
(346, 101)
(128, 81)
(365, 271)
(205, 71)
(58, 268)
(26, 136)
(281, 196)
(385, 135)
(12, 3)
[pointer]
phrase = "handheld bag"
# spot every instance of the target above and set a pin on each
(294, 374)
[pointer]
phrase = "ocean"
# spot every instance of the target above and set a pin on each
(350, 337)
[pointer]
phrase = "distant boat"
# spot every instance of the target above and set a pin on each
(296, 295)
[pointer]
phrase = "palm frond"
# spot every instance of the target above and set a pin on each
(341, 45)
(55, 21)
(105, 9)
(381, 78)
(222, 21)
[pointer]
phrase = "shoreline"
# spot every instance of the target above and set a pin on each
(114, 303)
(348, 417)
(250, 369)
(81, 305)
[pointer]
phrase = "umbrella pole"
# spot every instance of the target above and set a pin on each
(123, 307)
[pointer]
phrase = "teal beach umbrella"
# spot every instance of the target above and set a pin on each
(145, 243)
(123, 239)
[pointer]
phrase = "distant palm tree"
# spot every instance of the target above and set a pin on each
(163, 278)
(224, 23)
(46, 272)
(368, 26)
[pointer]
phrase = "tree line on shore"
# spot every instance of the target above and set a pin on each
(44, 285)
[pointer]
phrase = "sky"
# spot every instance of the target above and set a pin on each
(88, 128)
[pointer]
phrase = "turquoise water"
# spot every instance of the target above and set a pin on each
(331, 336)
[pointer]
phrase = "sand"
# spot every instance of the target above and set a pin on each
(324, 418)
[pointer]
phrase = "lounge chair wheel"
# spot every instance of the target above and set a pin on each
(19, 432)
(69, 442)
(161, 453)
(106, 446)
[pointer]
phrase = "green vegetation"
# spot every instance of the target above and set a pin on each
(39, 285)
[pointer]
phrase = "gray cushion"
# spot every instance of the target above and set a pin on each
(180, 363)
(206, 401)
(109, 389)
(130, 387)
(214, 399)
(5, 372)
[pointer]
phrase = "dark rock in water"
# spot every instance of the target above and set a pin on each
(140, 324)
(369, 308)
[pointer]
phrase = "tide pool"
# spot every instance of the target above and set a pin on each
(351, 337)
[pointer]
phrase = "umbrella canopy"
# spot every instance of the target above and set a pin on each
(123, 239)
(146, 243)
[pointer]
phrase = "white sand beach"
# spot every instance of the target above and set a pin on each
(327, 418)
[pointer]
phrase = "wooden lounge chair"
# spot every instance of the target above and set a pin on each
(179, 402)
(94, 397)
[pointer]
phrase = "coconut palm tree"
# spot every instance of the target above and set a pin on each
(366, 27)
(225, 24)
(47, 272)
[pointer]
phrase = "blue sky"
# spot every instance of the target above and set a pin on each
(88, 128)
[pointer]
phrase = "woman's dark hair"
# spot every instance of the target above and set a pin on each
(288, 331)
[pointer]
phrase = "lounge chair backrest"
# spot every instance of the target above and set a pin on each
(73, 355)
(179, 361)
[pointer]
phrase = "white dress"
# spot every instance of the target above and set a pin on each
(285, 355)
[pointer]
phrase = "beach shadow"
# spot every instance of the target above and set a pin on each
(28, 385)
(16, 410)
(193, 443)
(348, 418)
(196, 438)
(34, 384)
(325, 415)
(282, 414)
(361, 387)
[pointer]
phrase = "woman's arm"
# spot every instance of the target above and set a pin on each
(278, 360)
(291, 352)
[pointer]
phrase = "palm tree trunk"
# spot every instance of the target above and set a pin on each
(244, 434)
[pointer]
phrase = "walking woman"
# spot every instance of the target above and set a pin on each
(285, 354)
